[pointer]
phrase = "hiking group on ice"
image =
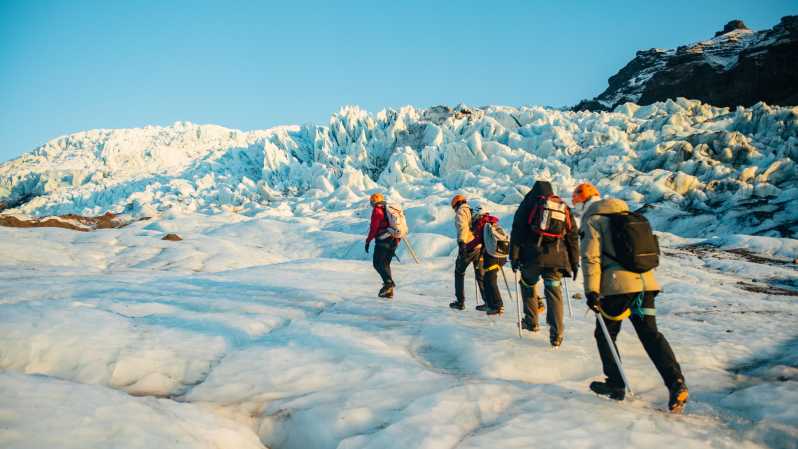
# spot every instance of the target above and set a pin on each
(618, 252)
(260, 210)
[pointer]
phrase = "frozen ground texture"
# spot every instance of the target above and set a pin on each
(708, 171)
(236, 338)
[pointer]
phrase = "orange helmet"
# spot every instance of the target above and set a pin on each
(457, 199)
(584, 192)
(376, 198)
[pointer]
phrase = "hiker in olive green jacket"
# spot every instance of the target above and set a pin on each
(616, 294)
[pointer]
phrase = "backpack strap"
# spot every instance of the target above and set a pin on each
(477, 225)
(385, 223)
(568, 223)
(532, 214)
(534, 211)
(385, 214)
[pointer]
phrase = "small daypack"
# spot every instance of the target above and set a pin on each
(491, 235)
(636, 246)
(495, 240)
(397, 225)
(550, 219)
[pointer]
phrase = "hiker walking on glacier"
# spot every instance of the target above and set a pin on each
(494, 244)
(619, 253)
(468, 252)
(544, 243)
(385, 243)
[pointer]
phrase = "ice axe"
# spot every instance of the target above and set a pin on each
(410, 250)
(570, 306)
(615, 356)
(517, 303)
(510, 294)
(476, 290)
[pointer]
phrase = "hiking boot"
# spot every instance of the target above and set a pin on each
(459, 305)
(386, 291)
(609, 390)
(497, 311)
(678, 397)
(482, 307)
(528, 325)
(556, 341)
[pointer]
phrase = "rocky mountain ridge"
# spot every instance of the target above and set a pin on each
(737, 67)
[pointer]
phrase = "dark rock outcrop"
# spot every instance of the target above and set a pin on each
(731, 26)
(70, 221)
(172, 238)
(738, 67)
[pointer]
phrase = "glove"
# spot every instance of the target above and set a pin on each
(515, 264)
(575, 271)
(367, 246)
(593, 301)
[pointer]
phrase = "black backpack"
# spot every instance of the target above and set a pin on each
(636, 246)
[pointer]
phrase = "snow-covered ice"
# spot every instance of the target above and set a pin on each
(43, 412)
(265, 331)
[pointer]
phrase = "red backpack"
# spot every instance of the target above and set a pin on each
(549, 219)
(477, 227)
(490, 234)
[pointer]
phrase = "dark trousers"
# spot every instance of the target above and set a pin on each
(464, 259)
(552, 290)
(655, 344)
(490, 278)
(383, 253)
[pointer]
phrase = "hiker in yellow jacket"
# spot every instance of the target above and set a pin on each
(469, 250)
(616, 294)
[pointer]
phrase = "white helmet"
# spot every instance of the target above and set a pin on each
(478, 207)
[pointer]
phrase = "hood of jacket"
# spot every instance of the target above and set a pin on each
(541, 188)
(607, 206)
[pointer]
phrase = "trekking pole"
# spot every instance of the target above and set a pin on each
(410, 250)
(570, 306)
(517, 304)
(510, 294)
(476, 291)
(614, 352)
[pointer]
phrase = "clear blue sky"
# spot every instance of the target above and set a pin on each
(67, 66)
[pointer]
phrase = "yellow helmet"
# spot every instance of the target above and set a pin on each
(457, 199)
(376, 198)
(584, 192)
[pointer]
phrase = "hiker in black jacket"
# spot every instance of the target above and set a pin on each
(548, 257)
